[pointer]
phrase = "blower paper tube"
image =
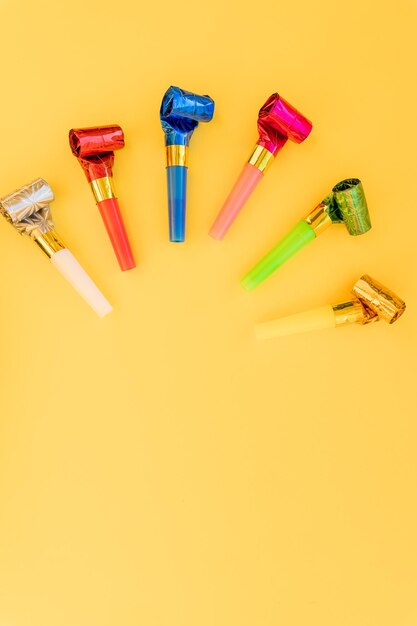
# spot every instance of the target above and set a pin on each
(94, 149)
(278, 121)
(181, 111)
(28, 210)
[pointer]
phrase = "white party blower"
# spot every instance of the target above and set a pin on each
(28, 210)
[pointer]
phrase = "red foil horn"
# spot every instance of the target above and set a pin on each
(94, 149)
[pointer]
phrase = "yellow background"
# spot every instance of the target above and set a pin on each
(159, 467)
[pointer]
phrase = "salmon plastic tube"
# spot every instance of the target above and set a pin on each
(278, 121)
(28, 210)
(345, 204)
(371, 302)
(94, 149)
(181, 111)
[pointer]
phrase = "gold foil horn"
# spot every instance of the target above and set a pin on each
(352, 312)
(378, 299)
(28, 210)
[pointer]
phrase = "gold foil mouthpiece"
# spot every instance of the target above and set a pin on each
(48, 242)
(352, 312)
(261, 158)
(103, 188)
(319, 218)
(177, 155)
(27, 208)
(378, 299)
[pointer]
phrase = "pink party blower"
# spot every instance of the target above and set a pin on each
(278, 121)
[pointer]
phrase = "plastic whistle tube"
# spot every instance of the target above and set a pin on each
(345, 204)
(28, 210)
(278, 121)
(177, 201)
(181, 112)
(371, 302)
(94, 149)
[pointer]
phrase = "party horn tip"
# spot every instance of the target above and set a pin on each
(244, 186)
(307, 321)
(113, 221)
(249, 282)
(71, 270)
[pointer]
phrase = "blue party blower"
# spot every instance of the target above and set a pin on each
(181, 111)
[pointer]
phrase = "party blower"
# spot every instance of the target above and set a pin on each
(181, 111)
(278, 121)
(346, 204)
(371, 302)
(28, 210)
(94, 149)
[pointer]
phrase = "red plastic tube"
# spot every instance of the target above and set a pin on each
(113, 221)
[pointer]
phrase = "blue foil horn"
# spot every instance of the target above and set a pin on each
(181, 111)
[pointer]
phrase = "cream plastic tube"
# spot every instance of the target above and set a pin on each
(316, 319)
(71, 270)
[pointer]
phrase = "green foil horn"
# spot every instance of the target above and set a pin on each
(350, 204)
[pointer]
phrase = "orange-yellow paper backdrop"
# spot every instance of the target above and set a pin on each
(159, 467)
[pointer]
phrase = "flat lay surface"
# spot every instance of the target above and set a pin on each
(162, 466)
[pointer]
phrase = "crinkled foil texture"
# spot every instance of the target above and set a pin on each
(97, 166)
(378, 299)
(278, 121)
(180, 113)
(351, 206)
(86, 142)
(94, 148)
(27, 208)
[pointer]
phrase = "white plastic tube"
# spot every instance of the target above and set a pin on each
(70, 269)
(316, 319)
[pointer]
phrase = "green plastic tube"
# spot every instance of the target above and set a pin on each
(296, 239)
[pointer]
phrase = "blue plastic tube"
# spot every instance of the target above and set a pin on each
(177, 199)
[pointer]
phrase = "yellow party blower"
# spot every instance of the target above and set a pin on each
(371, 302)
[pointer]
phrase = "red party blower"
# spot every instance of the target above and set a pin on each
(94, 148)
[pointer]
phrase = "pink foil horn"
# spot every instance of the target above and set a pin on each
(278, 121)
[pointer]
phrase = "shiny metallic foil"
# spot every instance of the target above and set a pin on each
(351, 312)
(103, 188)
(94, 148)
(86, 142)
(320, 217)
(351, 206)
(28, 208)
(261, 158)
(177, 155)
(378, 299)
(278, 121)
(181, 111)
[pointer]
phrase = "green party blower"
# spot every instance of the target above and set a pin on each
(345, 204)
